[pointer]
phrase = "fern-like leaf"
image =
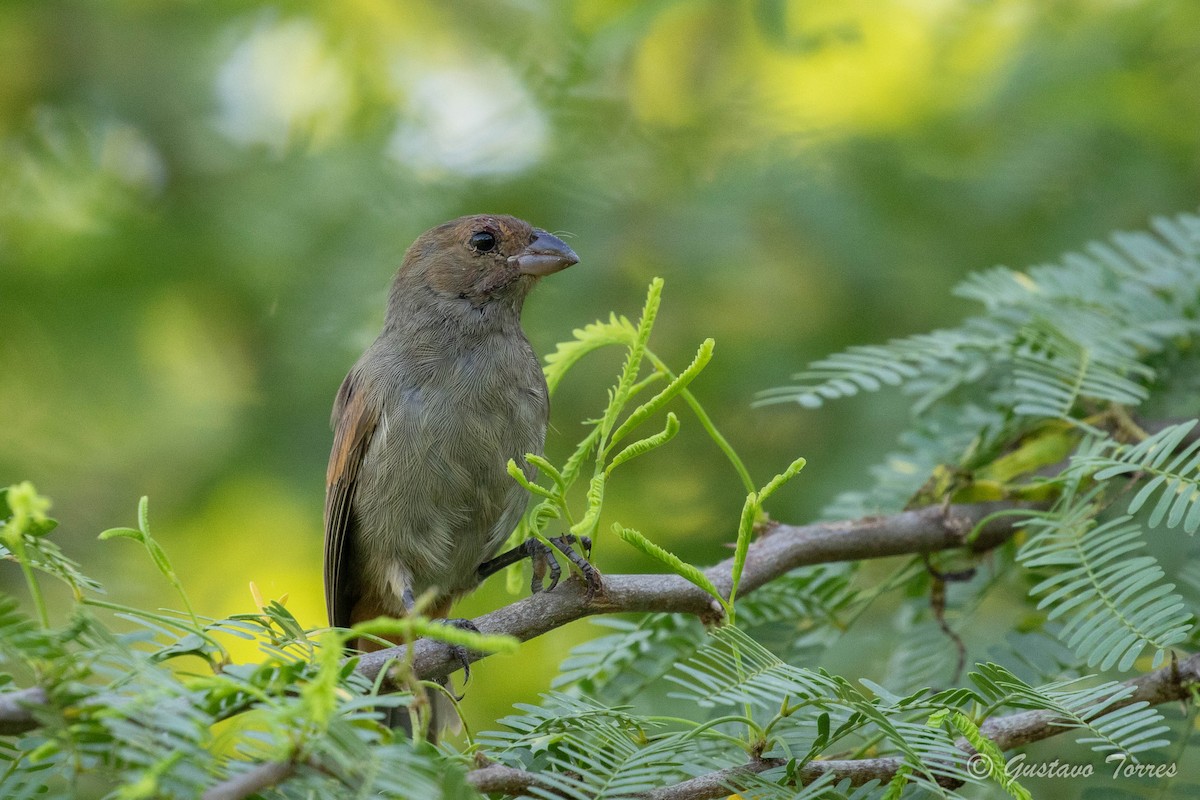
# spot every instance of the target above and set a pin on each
(583, 749)
(1129, 729)
(620, 664)
(1113, 603)
(618, 330)
(1098, 314)
(734, 669)
(871, 367)
(1053, 373)
(1171, 467)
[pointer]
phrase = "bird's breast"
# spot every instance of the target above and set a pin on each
(435, 499)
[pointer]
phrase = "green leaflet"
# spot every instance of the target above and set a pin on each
(154, 549)
(1108, 592)
(643, 446)
(677, 385)
(1168, 468)
(421, 627)
(751, 511)
(671, 561)
(589, 338)
(987, 752)
(600, 449)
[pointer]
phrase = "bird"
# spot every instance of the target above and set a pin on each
(418, 496)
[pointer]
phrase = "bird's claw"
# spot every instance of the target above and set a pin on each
(591, 576)
(543, 561)
(461, 653)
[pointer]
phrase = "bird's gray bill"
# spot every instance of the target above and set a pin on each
(546, 254)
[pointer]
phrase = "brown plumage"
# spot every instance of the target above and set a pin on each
(417, 491)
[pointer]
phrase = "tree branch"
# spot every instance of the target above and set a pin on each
(252, 781)
(1172, 682)
(505, 780)
(781, 549)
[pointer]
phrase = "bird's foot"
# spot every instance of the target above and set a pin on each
(461, 653)
(544, 563)
(591, 576)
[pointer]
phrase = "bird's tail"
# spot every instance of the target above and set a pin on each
(443, 715)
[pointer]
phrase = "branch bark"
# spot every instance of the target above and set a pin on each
(252, 781)
(781, 549)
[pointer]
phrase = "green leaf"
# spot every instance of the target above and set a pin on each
(595, 499)
(779, 480)
(633, 361)
(422, 627)
(144, 514)
(672, 561)
(548, 469)
(157, 554)
(1112, 600)
(986, 749)
(122, 533)
(518, 475)
(672, 389)
(1080, 703)
(589, 338)
(734, 669)
(1172, 467)
(643, 446)
(745, 533)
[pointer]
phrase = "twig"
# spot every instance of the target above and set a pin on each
(782, 549)
(506, 780)
(252, 781)
(1172, 682)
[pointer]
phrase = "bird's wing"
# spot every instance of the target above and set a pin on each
(354, 424)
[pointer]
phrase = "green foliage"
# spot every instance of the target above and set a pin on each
(1112, 599)
(1173, 470)
(1054, 337)
(733, 669)
(129, 710)
(637, 655)
(1127, 729)
(671, 562)
(154, 549)
(1029, 401)
(1034, 400)
(993, 756)
(614, 425)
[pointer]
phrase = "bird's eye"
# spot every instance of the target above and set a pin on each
(483, 241)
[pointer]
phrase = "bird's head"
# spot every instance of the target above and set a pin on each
(480, 260)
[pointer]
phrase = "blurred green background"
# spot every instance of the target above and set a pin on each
(202, 204)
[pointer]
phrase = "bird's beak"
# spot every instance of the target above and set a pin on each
(544, 255)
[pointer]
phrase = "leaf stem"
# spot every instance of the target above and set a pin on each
(35, 589)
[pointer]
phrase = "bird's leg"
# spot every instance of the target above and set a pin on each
(591, 576)
(542, 558)
(460, 652)
(538, 554)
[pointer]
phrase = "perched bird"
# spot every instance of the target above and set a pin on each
(418, 497)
